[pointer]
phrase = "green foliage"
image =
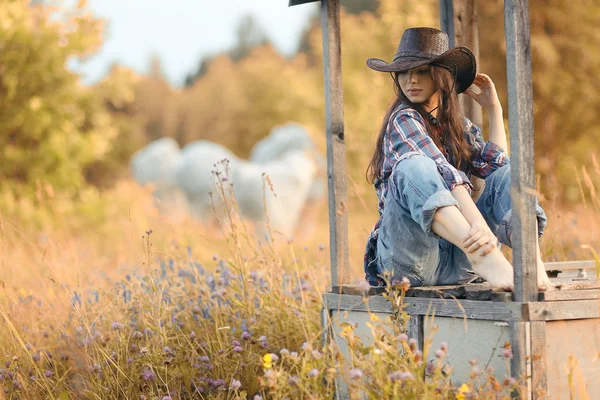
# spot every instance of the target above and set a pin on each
(565, 61)
(50, 126)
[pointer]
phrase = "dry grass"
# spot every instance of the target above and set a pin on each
(113, 300)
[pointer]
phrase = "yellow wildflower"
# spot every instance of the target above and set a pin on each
(267, 361)
(374, 318)
(461, 392)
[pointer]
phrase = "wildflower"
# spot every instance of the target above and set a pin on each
(167, 350)
(412, 343)
(36, 357)
(377, 351)
(192, 335)
(217, 383)
(293, 380)
(507, 353)
(257, 397)
(356, 373)
(444, 346)
(430, 368)
(238, 349)
(305, 345)
(263, 341)
(148, 375)
(396, 376)
(374, 318)
(284, 352)
(130, 360)
(294, 354)
(460, 395)
(245, 336)
(137, 335)
(144, 350)
(403, 337)
(407, 376)
(510, 381)
(167, 398)
(313, 373)
(267, 361)
(28, 346)
(274, 357)
(235, 343)
(204, 359)
(235, 384)
(439, 353)
(418, 356)
(48, 374)
(117, 326)
(317, 355)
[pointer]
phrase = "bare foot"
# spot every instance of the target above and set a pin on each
(495, 269)
(544, 282)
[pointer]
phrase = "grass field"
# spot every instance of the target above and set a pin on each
(112, 300)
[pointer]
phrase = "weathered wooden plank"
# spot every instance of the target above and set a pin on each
(415, 329)
(471, 309)
(447, 19)
(478, 291)
(575, 283)
(538, 359)
(572, 366)
(520, 345)
(570, 265)
(336, 150)
(561, 310)
(520, 100)
(564, 295)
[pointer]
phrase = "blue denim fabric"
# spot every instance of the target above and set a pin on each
(406, 246)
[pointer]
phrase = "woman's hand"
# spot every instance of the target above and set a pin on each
(480, 238)
(487, 96)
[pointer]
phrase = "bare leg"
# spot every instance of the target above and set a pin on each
(450, 223)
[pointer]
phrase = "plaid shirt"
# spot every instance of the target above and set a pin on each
(406, 132)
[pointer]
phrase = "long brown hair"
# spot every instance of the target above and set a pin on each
(447, 134)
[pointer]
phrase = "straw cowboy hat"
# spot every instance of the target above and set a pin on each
(420, 46)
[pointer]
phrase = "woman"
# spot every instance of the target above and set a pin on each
(430, 229)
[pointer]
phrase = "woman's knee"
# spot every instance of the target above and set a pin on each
(415, 166)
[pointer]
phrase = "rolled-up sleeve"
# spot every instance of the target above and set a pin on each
(407, 133)
(487, 156)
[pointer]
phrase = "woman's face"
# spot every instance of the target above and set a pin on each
(418, 86)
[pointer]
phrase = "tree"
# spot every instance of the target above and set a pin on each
(565, 62)
(51, 127)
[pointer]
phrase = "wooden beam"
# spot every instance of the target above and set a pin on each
(466, 33)
(539, 382)
(470, 309)
(447, 19)
(458, 18)
(520, 103)
(564, 295)
(520, 340)
(561, 310)
(570, 265)
(336, 150)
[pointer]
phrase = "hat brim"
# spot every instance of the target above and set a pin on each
(459, 59)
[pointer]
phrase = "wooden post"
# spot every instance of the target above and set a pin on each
(458, 18)
(466, 33)
(336, 151)
(520, 115)
(447, 19)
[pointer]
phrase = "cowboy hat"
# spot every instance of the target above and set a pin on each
(420, 46)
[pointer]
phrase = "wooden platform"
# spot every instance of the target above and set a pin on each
(560, 332)
(566, 289)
